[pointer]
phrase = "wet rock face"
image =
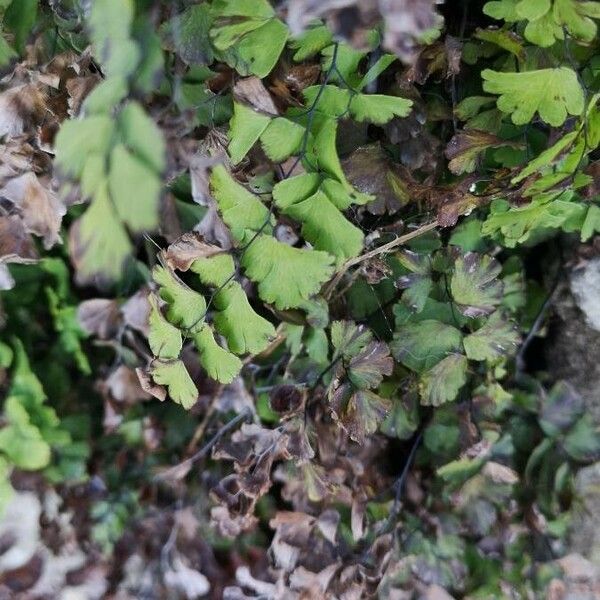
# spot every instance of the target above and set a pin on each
(573, 354)
(585, 528)
(585, 287)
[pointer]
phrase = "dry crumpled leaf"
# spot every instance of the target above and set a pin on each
(14, 241)
(99, 317)
(16, 246)
(183, 580)
(466, 148)
(370, 171)
(406, 21)
(147, 384)
(349, 20)
(136, 311)
(251, 91)
(22, 107)
(40, 208)
(210, 153)
(124, 386)
(185, 250)
(17, 155)
(442, 58)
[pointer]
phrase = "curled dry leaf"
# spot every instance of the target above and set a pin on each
(211, 153)
(455, 203)
(440, 58)
(184, 581)
(499, 473)
(21, 108)
(123, 384)
(359, 412)
(466, 148)
(406, 22)
(370, 171)
(287, 399)
(251, 91)
(40, 208)
(148, 385)
(136, 311)
(348, 19)
(99, 317)
(189, 247)
(15, 243)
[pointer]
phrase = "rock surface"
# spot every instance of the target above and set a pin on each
(573, 353)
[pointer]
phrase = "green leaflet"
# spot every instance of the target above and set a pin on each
(547, 158)
(164, 339)
(377, 108)
(20, 17)
(328, 99)
(282, 138)
(245, 127)
(553, 93)
(591, 224)
(325, 227)
(105, 95)
(442, 383)
(220, 364)
(507, 40)
(68, 329)
(110, 22)
(96, 258)
(577, 18)
(214, 270)
(348, 60)
(548, 19)
(311, 42)
(285, 276)
(131, 145)
(294, 189)
(78, 140)
(326, 151)
(33, 428)
(21, 441)
(174, 375)
(533, 9)
(186, 308)
(241, 210)
(343, 195)
(135, 190)
(239, 31)
(475, 286)
(422, 345)
(142, 136)
(349, 339)
(533, 221)
(245, 331)
(496, 338)
(187, 34)
(6, 52)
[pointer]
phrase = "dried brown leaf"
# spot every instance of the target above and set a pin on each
(99, 317)
(148, 385)
(21, 109)
(123, 384)
(370, 171)
(251, 91)
(189, 247)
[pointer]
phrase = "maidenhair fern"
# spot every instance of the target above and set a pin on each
(114, 150)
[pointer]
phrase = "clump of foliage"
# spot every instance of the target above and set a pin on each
(296, 248)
